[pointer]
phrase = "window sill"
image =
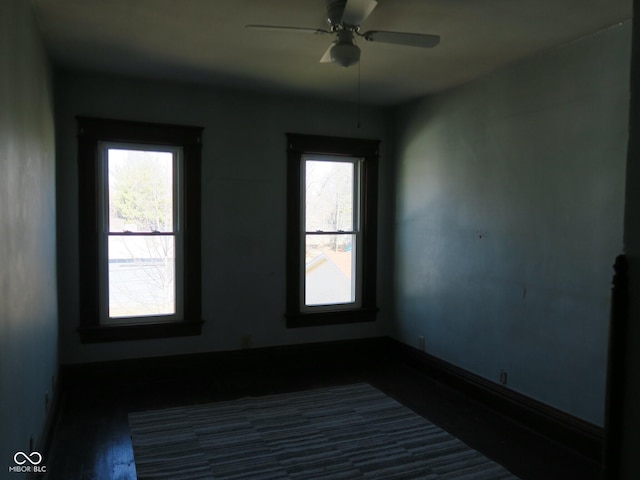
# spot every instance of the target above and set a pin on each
(117, 333)
(298, 319)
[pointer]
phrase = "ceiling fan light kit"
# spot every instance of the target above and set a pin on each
(344, 52)
(345, 18)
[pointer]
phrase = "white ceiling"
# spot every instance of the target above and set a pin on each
(205, 41)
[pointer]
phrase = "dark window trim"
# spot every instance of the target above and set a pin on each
(91, 131)
(297, 146)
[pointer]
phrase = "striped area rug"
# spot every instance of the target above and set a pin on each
(335, 433)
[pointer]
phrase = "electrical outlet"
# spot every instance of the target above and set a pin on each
(503, 377)
(421, 343)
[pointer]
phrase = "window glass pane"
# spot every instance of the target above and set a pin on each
(329, 196)
(140, 191)
(141, 275)
(329, 269)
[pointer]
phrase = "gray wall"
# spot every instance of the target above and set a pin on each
(28, 290)
(509, 216)
(243, 205)
(629, 465)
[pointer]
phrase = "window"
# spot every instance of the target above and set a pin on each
(332, 236)
(139, 230)
(139, 233)
(331, 230)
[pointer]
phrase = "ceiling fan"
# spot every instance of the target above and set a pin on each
(345, 18)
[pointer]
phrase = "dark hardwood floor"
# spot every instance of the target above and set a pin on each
(91, 438)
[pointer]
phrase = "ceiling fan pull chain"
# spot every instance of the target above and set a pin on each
(359, 86)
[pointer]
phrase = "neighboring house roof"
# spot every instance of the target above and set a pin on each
(341, 260)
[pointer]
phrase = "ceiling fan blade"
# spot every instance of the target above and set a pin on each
(326, 58)
(401, 38)
(356, 11)
(315, 31)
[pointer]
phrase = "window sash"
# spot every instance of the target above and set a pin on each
(355, 232)
(105, 235)
(346, 281)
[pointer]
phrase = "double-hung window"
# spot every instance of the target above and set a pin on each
(139, 227)
(332, 235)
(140, 233)
(331, 244)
